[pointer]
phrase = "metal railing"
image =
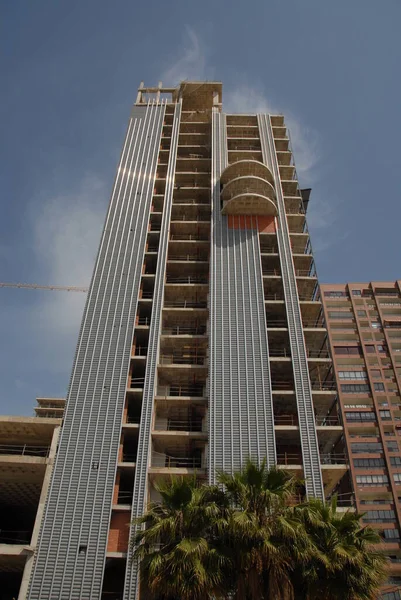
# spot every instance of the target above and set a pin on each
(133, 420)
(196, 390)
(25, 450)
(188, 237)
(184, 304)
(292, 458)
(143, 321)
(176, 462)
(129, 457)
(188, 257)
(193, 279)
(136, 382)
(184, 330)
(336, 458)
(140, 351)
(171, 424)
(180, 359)
(196, 218)
(293, 420)
(15, 536)
(191, 201)
(124, 497)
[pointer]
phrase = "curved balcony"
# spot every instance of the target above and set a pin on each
(248, 189)
(242, 168)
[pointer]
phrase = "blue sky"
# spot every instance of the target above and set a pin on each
(69, 73)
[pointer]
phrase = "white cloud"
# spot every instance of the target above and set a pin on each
(305, 141)
(66, 230)
(190, 62)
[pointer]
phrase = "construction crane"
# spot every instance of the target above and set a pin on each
(35, 286)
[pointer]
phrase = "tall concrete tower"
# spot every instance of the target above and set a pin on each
(202, 341)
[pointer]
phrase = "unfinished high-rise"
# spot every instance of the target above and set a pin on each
(202, 341)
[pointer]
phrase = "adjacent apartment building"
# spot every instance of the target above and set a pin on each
(364, 325)
(202, 342)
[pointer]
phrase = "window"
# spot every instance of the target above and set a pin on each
(376, 373)
(391, 596)
(395, 461)
(338, 314)
(397, 477)
(375, 501)
(361, 313)
(368, 463)
(354, 350)
(378, 387)
(370, 349)
(381, 348)
(335, 294)
(360, 417)
(356, 293)
(392, 446)
(375, 325)
(379, 516)
(366, 447)
(390, 534)
(356, 388)
(363, 480)
(385, 415)
(352, 374)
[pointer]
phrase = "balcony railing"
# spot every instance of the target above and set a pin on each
(292, 420)
(25, 450)
(181, 359)
(196, 390)
(185, 304)
(141, 351)
(184, 330)
(288, 458)
(191, 201)
(124, 497)
(193, 279)
(143, 321)
(172, 424)
(137, 382)
(15, 536)
(188, 257)
(188, 237)
(176, 462)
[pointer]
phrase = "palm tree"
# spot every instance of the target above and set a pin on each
(263, 531)
(343, 564)
(247, 539)
(179, 545)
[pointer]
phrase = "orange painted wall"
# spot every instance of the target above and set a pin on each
(119, 532)
(263, 224)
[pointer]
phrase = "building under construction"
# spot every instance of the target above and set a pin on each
(202, 343)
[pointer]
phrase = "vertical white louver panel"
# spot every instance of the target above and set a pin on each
(131, 587)
(71, 553)
(241, 423)
(303, 389)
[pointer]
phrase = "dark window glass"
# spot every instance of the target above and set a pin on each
(367, 447)
(355, 388)
(369, 349)
(395, 461)
(368, 463)
(379, 387)
(354, 350)
(392, 446)
(356, 293)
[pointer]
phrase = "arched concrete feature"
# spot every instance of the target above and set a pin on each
(248, 195)
(241, 168)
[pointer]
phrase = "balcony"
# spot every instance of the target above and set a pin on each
(248, 189)
(184, 330)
